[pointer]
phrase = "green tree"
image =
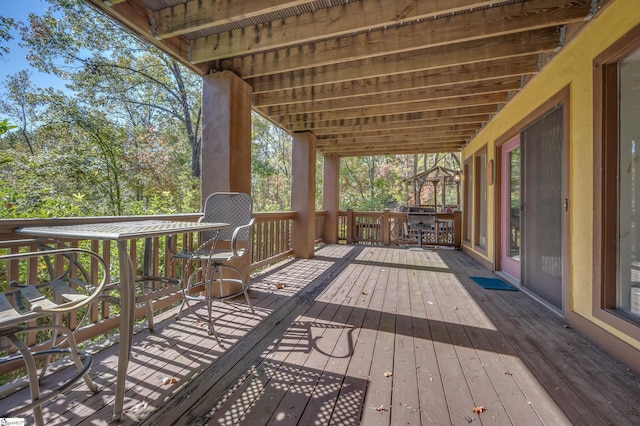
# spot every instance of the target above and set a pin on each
(134, 83)
(371, 183)
(20, 104)
(5, 33)
(270, 166)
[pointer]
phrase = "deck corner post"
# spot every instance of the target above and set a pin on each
(351, 226)
(386, 227)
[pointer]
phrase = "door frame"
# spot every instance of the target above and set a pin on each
(505, 206)
(562, 97)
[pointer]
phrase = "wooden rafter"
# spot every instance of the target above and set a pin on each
(447, 76)
(366, 77)
(382, 36)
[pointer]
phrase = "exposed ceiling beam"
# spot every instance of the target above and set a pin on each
(500, 47)
(465, 73)
(335, 121)
(478, 114)
(399, 149)
(375, 35)
(367, 77)
(200, 15)
(394, 126)
(386, 99)
(421, 106)
(404, 138)
(427, 130)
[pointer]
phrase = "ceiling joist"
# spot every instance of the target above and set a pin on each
(367, 77)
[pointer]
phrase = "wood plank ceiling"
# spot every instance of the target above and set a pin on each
(367, 77)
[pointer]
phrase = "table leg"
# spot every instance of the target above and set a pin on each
(127, 310)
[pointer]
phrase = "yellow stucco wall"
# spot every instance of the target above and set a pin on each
(573, 66)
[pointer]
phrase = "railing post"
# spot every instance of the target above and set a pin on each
(457, 229)
(351, 226)
(386, 228)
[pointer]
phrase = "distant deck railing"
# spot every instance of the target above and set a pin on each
(390, 228)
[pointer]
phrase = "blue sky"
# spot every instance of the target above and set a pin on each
(15, 61)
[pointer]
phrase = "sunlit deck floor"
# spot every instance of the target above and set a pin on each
(366, 335)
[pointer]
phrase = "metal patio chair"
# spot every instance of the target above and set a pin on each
(217, 278)
(57, 282)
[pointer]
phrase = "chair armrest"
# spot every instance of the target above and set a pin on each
(236, 233)
(93, 290)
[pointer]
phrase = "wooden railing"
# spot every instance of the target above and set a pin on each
(321, 216)
(390, 228)
(271, 238)
(271, 242)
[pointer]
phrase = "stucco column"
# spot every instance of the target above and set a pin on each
(303, 193)
(226, 134)
(226, 141)
(331, 197)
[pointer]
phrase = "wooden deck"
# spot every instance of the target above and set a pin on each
(365, 335)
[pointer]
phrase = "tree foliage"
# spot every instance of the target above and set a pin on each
(124, 138)
(270, 166)
(5, 33)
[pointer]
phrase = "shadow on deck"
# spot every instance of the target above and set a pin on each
(364, 335)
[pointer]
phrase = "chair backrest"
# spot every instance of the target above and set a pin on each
(234, 208)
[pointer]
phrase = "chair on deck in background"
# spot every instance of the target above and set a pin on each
(51, 282)
(218, 278)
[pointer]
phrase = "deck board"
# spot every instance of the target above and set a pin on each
(433, 407)
(317, 350)
(377, 403)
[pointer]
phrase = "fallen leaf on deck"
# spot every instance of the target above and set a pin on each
(364, 292)
(388, 374)
(508, 373)
(479, 409)
(381, 408)
(279, 286)
(169, 380)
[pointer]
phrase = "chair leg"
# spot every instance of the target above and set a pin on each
(211, 328)
(57, 319)
(246, 295)
(184, 300)
(73, 351)
(210, 300)
(73, 346)
(32, 374)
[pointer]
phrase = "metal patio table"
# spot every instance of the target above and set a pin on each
(121, 232)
